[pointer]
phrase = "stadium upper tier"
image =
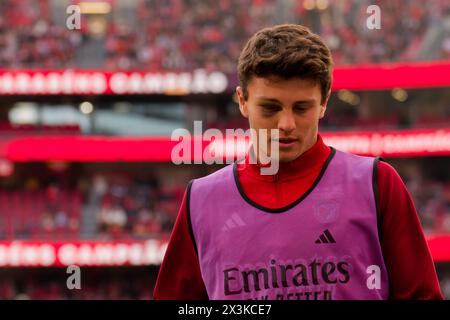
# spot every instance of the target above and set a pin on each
(183, 35)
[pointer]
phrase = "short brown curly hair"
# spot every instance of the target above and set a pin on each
(286, 51)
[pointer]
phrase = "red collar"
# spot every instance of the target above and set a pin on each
(311, 159)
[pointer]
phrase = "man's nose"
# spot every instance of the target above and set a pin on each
(286, 121)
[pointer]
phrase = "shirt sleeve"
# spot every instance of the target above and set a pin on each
(179, 276)
(412, 274)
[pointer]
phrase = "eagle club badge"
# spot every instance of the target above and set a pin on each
(326, 211)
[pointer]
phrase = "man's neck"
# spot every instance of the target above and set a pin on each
(313, 156)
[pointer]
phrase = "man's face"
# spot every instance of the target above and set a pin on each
(293, 106)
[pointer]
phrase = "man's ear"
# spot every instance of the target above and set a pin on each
(323, 107)
(242, 102)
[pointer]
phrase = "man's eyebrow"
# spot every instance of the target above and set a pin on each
(272, 100)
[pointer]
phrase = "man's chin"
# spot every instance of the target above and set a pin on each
(288, 156)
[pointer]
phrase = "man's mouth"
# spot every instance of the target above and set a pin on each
(286, 142)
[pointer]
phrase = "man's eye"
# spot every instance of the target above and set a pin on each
(300, 109)
(270, 108)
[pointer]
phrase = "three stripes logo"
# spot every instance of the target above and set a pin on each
(233, 222)
(326, 237)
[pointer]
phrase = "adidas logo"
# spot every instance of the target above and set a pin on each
(233, 222)
(326, 237)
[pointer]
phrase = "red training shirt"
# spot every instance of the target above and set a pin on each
(411, 270)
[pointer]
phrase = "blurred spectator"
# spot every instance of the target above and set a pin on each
(112, 218)
(431, 198)
(445, 285)
(130, 207)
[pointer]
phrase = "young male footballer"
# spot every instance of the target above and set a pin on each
(328, 225)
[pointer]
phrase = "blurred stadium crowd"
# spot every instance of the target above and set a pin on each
(190, 34)
(117, 207)
(98, 284)
(30, 39)
(431, 197)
